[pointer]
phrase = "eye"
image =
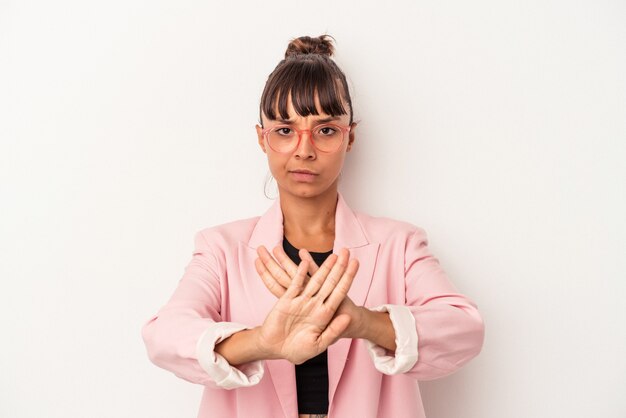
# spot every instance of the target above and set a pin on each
(281, 130)
(326, 130)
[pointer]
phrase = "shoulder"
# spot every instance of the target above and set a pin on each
(384, 229)
(229, 232)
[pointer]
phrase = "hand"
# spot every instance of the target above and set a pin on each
(303, 323)
(283, 273)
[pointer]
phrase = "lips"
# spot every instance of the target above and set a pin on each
(303, 172)
(303, 177)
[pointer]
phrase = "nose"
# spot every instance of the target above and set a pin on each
(305, 148)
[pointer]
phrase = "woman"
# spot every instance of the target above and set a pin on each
(349, 312)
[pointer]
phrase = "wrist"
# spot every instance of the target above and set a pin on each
(361, 329)
(262, 349)
(378, 328)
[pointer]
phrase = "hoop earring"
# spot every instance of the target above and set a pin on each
(270, 178)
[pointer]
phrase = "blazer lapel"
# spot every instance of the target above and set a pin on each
(269, 233)
(349, 234)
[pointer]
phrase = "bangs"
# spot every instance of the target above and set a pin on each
(303, 79)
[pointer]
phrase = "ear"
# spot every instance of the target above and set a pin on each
(351, 135)
(259, 133)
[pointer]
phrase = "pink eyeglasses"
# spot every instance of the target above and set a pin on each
(326, 137)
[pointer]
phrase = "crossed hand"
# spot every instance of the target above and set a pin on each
(310, 314)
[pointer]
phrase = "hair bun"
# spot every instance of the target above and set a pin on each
(320, 45)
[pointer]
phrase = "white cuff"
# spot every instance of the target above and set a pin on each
(406, 342)
(216, 366)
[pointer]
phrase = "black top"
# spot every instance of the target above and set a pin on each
(312, 375)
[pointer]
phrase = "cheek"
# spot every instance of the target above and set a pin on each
(276, 165)
(338, 162)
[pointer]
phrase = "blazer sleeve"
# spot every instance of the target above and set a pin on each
(182, 336)
(438, 330)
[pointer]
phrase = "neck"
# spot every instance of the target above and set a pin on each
(309, 216)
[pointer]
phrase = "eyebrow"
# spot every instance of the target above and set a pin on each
(323, 120)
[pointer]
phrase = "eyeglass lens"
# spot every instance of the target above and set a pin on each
(326, 138)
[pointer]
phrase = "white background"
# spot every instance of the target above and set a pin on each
(497, 126)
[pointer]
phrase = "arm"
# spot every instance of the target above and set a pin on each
(188, 337)
(438, 330)
(181, 336)
(377, 327)
(446, 324)
(243, 347)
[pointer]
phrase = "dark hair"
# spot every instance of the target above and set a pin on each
(306, 69)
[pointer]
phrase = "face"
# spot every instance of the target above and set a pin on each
(326, 166)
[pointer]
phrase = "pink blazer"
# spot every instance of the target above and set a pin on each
(220, 288)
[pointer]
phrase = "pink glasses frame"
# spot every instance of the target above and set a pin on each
(344, 128)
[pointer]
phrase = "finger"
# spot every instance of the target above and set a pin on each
(305, 255)
(341, 290)
(268, 279)
(313, 267)
(283, 259)
(335, 328)
(297, 283)
(318, 279)
(335, 274)
(290, 267)
(274, 268)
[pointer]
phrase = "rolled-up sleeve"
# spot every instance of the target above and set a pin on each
(182, 336)
(405, 355)
(225, 375)
(450, 330)
(438, 329)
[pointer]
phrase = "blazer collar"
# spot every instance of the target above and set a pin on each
(348, 232)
